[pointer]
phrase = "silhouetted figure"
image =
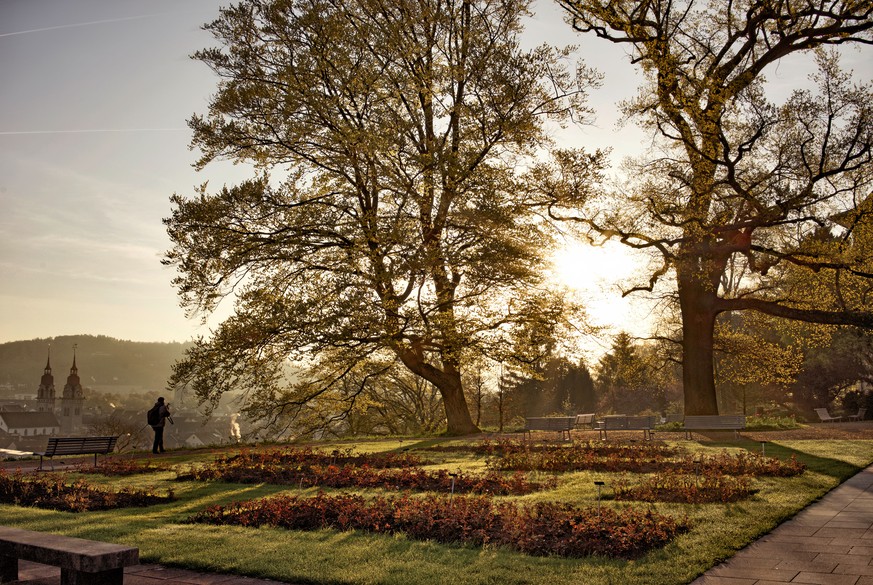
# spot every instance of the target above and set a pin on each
(157, 418)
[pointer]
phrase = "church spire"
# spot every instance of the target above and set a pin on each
(71, 401)
(73, 388)
(45, 394)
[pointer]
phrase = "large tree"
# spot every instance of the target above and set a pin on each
(385, 219)
(731, 176)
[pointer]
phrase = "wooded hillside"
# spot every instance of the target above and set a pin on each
(102, 361)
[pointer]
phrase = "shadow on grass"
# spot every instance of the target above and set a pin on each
(838, 469)
(422, 444)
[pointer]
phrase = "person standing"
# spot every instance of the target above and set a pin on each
(158, 417)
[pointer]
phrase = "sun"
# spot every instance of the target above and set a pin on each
(595, 275)
(584, 267)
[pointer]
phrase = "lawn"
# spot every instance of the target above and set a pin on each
(327, 556)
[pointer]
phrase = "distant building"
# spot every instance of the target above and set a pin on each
(71, 401)
(16, 405)
(68, 411)
(45, 394)
(29, 424)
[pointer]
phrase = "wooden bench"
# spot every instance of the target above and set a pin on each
(558, 424)
(82, 562)
(714, 422)
(585, 421)
(77, 446)
(626, 423)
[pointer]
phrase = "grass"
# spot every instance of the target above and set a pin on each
(329, 557)
(771, 423)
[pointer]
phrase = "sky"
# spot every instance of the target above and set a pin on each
(94, 98)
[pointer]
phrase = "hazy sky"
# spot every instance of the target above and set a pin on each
(94, 95)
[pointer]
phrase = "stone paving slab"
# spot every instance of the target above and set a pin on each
(829, 543)
(148, 574)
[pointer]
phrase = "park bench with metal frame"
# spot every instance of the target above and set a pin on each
(77, 446)
(625, 423)
(585, 421)
(559, 424)
(714, 422)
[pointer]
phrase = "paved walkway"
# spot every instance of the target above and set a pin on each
(828, 543)
(34, 574)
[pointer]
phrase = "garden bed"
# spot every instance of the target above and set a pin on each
(289, 467)
(360, 555)
(541, 529)
(56, 493)
(642, 458)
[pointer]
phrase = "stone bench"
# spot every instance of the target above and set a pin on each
(82, 562)
(77, 446)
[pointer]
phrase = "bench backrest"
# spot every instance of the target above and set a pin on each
(633, 423)
(612, 423)
(550, 423)
(640, 423)
(79, 445)
(715, 421)
(585, 419)
(823, 414)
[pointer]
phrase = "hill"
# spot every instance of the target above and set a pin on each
(103, 362)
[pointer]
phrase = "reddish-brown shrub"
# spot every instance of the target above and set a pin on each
(634, 458)
(309, 456)
(54, 493)
(685, 488)
(542, 529)
(306, 474)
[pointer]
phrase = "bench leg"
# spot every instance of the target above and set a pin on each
(109, 577)
(51, 462)
(8, 569)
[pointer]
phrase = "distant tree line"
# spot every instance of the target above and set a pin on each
(101, 361)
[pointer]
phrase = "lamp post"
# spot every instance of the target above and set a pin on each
(599, 484)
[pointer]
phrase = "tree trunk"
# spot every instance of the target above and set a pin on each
(698, 329)
(448, 382)
(458, 419)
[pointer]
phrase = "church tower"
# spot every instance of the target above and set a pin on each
(71, 402)
(45, 394)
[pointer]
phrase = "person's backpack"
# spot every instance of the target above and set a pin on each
(154, 415)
